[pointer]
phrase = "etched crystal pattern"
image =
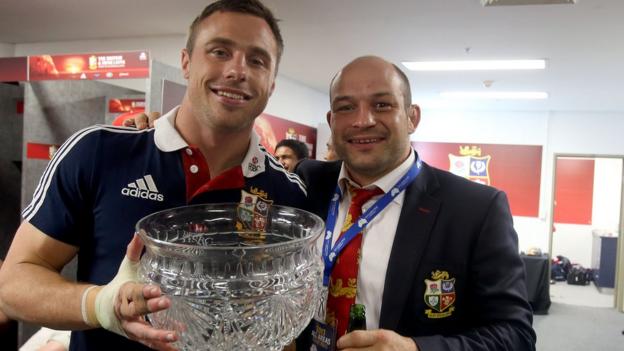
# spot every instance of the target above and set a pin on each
(232, 289)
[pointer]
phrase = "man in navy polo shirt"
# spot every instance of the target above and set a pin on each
(103, 179)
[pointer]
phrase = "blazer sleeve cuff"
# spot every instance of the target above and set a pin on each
(430, 343)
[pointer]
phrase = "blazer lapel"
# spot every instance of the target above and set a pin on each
(415, 224)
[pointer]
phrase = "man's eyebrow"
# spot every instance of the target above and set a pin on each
(341, 98)
(220, 40)
(383, 94)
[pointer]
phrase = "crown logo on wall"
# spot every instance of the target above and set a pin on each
(469, 150)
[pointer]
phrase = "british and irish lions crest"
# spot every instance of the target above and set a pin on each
(470, 164)
(440, 295)
(253, 212)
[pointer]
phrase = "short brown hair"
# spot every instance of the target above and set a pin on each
(250, 7)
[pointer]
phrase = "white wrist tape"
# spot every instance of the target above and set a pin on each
(61, 336)
(83, 305)
(105, 300)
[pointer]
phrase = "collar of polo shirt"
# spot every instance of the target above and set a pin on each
(168, 139)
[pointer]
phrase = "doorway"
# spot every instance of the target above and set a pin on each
(585, 228)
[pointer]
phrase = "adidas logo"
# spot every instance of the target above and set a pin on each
(143, 188)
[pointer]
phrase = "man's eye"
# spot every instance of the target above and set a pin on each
(257, 61)
(219, 53)
(344, 108)
(383, 105)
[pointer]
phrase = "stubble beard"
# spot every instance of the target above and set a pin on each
(221, 119)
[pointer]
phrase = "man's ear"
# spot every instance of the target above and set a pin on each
(329, 118)
(413, 117)
(185, 61)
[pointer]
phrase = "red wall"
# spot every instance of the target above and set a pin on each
(574, 190)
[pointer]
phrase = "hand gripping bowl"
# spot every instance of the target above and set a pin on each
(239, 276)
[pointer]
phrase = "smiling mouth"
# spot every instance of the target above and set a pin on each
(365, 141)
(232, 95)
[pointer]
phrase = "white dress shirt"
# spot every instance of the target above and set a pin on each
(377, 240)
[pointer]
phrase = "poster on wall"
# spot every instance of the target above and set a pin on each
(123, 108)
(514, 169)
(272, 130)
(114, 65)
(13, 69)
(40, 151)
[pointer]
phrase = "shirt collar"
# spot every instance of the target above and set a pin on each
(385, 183)
(166, 136)
(253, 163)
(168, 139)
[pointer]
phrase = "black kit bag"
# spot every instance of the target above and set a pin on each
(578, 276)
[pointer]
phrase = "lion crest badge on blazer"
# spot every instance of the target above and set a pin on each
(440, 295)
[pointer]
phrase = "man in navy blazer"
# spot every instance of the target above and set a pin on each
(454, 279)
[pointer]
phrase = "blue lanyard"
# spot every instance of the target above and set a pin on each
(331, 253)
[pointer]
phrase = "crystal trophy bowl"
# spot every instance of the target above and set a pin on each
(239, 276)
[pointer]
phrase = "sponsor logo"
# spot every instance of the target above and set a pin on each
(143, 188)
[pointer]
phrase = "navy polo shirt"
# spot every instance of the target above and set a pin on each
(103, 179)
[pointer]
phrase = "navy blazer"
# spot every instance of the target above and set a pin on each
(455, 242)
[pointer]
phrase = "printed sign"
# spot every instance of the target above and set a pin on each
(116, 65)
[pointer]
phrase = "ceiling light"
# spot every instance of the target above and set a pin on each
(500, 95)
(474, 65)
(525, 2)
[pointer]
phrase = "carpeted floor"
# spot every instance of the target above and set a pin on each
(571, 328)
(581, 295)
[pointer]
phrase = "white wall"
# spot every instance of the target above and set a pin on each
(607, 194)
(524, 128)
(587, 132)
(573, 241)
(7, 50)
(297, 102)
(290, 99)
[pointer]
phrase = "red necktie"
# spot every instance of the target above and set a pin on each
(343, 279)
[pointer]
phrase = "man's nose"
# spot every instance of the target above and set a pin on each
(236, 67)
(364, 117)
